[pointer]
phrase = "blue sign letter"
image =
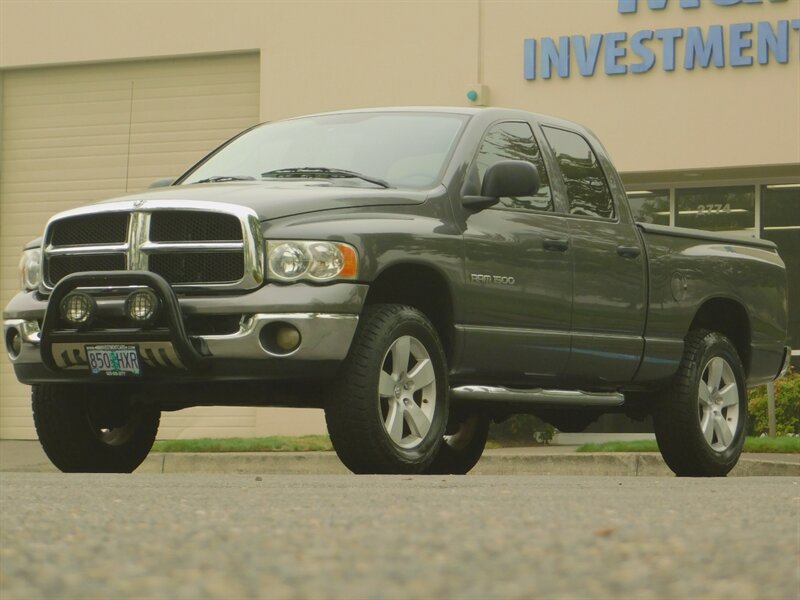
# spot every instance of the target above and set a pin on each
(631, 6)
(738, 43)
(529, 58)
(587, 59)
(669, 36)
(613, 52)
(558, 57)
(768, 40)
(638, 47)
(734, 2)
(697, 48)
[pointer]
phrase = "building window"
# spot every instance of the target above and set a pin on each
(780, 223)
(716, 208)
(650, 206)
(780, 207)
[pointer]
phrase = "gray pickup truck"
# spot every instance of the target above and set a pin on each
(415, 272)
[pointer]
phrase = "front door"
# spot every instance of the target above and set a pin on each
(518, 263)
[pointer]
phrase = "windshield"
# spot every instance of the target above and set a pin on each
(398, 149)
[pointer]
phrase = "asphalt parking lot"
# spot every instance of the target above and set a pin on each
(343, 536)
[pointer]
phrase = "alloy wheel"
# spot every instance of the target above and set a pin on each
(718, 404)
(407, 392)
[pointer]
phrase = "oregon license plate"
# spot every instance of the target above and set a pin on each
(113, 360)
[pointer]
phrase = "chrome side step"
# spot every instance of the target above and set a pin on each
(484, 393)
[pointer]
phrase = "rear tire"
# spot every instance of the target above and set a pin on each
(700, 422)
(462, 449)
(389, 409)
(83, 432)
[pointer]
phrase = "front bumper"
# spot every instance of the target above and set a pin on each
(324, 317)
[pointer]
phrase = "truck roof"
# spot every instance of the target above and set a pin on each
(461, 110)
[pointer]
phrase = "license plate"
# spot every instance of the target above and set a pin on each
(113, 360)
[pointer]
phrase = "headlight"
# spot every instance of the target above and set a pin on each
(315, 261)
(30, 269)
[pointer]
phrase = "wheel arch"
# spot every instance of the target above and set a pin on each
(730, 318)
(422, 287)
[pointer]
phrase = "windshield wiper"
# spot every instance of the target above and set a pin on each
(223, 178)
(322, 173)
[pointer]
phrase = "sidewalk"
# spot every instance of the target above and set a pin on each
(27, 456)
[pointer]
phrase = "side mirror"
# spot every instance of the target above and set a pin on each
(162, 182)
(506, 178)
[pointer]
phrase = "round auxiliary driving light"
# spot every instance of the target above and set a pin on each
(287, 338)
(13, 342)
(78, 308)
(280, 338)
(142, 307)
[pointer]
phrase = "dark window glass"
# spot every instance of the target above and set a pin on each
(650, 206)
(716, 209)
(586, 183)
(780, 206)
(515, 141)
(780, 223)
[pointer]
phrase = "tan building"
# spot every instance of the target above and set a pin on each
(698, 102)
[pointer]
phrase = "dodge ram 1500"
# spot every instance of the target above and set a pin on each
(414, 272)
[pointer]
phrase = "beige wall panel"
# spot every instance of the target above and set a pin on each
(289, 421)
(316, 55)
(208, 421)
(328, 55)
(336, 55)
(73, 135)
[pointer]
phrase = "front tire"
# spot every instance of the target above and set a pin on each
(388, 412)
(700, 422)
(84, 429)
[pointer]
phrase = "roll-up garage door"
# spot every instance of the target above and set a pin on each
(75, 134)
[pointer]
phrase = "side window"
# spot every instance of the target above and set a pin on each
(514, 141)
(586, 183)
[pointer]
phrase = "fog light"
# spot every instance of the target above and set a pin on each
(78, 308)
(280, 338)
(13, 342)
(287, 338)
(142, 306)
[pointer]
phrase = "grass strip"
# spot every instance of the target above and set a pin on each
(784, 445)
(316, 443)
(632, 446)
(275, 443)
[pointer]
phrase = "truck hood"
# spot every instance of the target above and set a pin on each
(273, 200)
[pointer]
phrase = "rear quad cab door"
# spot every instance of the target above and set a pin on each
(609, 302)
(518, 271)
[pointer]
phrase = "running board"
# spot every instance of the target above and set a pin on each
(484, 393)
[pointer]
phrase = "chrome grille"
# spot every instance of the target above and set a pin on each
(185, 267)
(200, 244)
(107, 228)
(194, 226)
(61, 265)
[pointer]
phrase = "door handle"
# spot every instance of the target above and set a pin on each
(628, 251)
(555, 245)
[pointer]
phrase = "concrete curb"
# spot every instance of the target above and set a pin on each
(266, 463)
(326, 463)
